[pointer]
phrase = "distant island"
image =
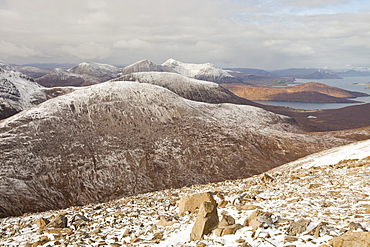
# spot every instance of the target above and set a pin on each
(364, 84)
(306, 92)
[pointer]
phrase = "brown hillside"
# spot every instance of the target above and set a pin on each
(307, 92)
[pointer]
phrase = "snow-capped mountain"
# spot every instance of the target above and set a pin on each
(102, 72)
(188, 88)
(124, 138)
(17, 91)
(82, 74)
(207, 71)
(317, 201)
(145, 66)
(31, 71)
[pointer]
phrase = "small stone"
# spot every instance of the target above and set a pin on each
(245, 245)
(61, 231)
(95, 231)
(135, 240)
(201, 244)
(222, 204)
(247, 207)
(126, 233)
(229, 230)
(290, 239)
(158, 236)
(164, 222)
(298, 227)
(258, 219)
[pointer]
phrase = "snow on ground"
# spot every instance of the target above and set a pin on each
(357, 150)
(196, 70)
(25, 91)
(337, 193)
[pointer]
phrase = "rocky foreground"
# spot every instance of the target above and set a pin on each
(316, 201)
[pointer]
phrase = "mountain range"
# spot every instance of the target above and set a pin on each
(139, 132)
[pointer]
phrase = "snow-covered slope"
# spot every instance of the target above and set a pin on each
(124, 138)
(192, 89)
(102, 72)
(82, 74)
(303, 205)
(145, 66)
(17, 91)
(207, 71)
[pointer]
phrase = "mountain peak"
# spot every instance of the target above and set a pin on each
(145, 66)
(205, 71)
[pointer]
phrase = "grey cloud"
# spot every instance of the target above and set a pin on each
(225, 32)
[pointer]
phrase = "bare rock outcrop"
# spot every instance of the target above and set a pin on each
(206, 221)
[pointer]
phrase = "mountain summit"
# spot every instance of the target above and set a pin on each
(82, 74)
(206, 71)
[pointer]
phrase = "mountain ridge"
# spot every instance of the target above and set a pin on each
(117, 138)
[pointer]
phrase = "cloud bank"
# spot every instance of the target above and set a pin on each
(244, 33)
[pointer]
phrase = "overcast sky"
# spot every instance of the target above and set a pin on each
(267, 34)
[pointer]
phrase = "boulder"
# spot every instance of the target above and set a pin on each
(298, 227)
(351, 239)
(59, 221)
(319, 230)
(265, 177)
(258, 218)
(206, 221)
(42, 222)
(193, 202)
(226, 220)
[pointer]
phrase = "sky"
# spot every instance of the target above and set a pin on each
(265, 34)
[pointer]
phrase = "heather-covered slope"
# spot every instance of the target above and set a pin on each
(307, 92)
(123, 138)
